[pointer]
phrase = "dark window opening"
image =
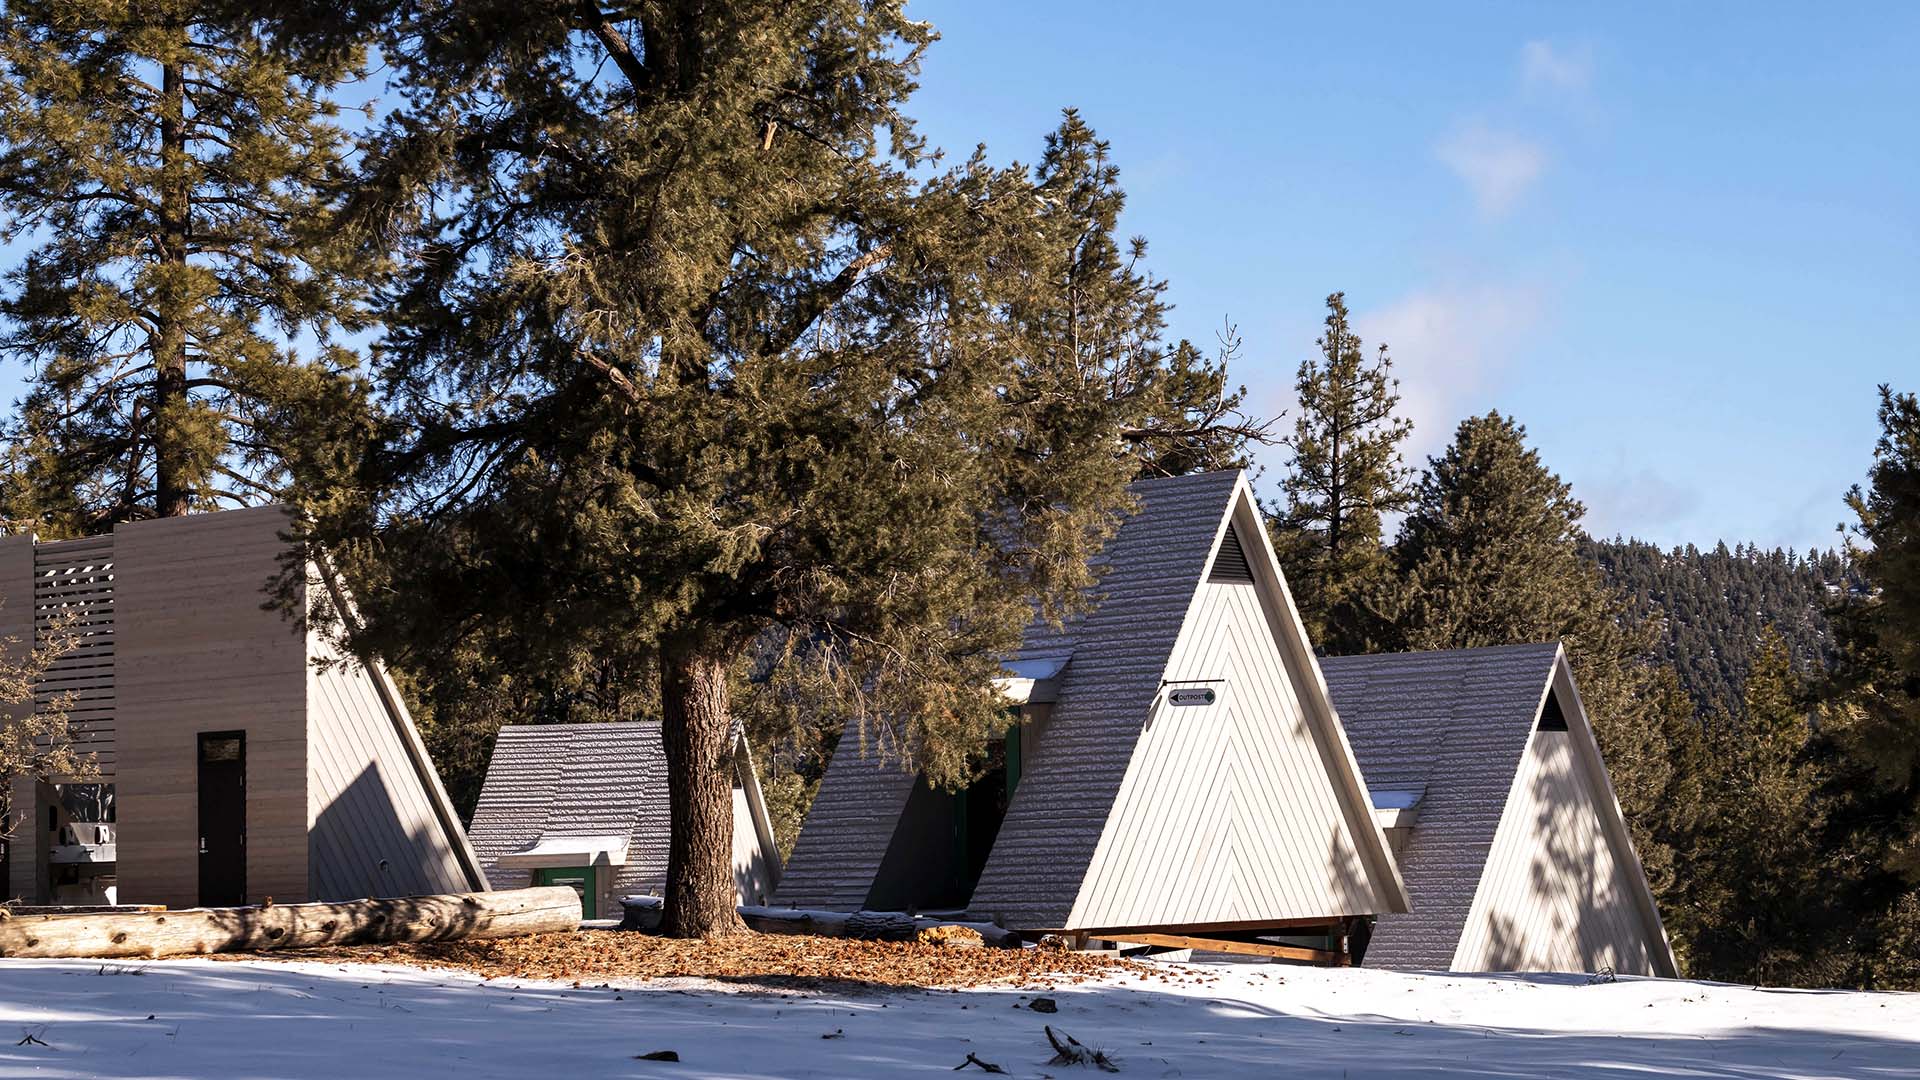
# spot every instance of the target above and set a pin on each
(1551, 718)
(1230, 565)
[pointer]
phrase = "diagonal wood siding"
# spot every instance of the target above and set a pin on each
(1152, 566)
(1554, 896)
(1454, 723)
(373, 828)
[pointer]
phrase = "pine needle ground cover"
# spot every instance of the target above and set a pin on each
(788, 961)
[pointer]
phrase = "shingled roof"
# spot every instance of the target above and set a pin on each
(1456, 722)
(588, 781)
(578, 780)
(1453, 726)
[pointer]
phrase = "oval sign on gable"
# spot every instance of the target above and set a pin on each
(1202, 696)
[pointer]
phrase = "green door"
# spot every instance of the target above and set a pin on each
(578, 878)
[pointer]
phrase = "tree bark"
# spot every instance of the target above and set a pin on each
(173, 496)
(513, 913)
(697, 734)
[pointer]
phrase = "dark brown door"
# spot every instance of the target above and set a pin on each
(223, 819)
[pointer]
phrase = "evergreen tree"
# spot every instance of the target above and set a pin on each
(1760, 875)
(1871, 721)
(1878, 676)
(174, 176)
(1711, 609)
(1097, 311)
(698, 352)
(1490, 554)
(1346, 472)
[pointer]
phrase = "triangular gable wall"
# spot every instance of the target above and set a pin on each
(1562, 888)
(1241, 802)
(379, 821)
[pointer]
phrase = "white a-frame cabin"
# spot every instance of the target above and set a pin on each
(1177, 772)
(1501, 814)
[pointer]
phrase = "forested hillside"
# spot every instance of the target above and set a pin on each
(1709, 609)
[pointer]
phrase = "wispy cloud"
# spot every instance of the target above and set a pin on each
(1449, 345)
(1498, 167)
(1546, 66)
(1636, 502)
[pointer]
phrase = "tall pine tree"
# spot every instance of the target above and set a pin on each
(174, 177)
(1872, 720)
(1879, 631)
(1346, 473)
(1097, 312)
(699, 348)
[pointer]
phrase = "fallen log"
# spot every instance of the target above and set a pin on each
(643, 913)
(196, 931)
(870, 925)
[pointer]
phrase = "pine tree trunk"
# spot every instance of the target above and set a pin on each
(697, 734)
(172, 497)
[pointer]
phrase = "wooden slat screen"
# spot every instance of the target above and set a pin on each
(73, 586)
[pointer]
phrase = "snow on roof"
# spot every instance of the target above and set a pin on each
(1407, 799)
(550, 850)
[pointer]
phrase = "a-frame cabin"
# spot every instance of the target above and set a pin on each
(1178, 771)
(1500, 811)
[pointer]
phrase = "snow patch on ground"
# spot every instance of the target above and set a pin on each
(202, 1018)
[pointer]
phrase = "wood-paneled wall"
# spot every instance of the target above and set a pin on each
(197, 652)
(374, 830)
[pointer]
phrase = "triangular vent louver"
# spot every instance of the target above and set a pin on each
(1551, 718)
(1231, 564)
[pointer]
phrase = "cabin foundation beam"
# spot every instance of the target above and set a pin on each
(1326, 957)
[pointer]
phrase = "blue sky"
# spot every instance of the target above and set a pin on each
(1678, 242)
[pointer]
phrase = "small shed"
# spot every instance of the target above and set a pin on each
(1485, 773)
(586, 805)
(1177, 769)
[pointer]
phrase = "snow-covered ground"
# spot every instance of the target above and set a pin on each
(285, 1020)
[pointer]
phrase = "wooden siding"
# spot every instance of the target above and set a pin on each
(195, 652)
(1554, 896)
(1453, 724)
(1229, 811)
(1077, 758)
(752, 870)
(374, 829)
